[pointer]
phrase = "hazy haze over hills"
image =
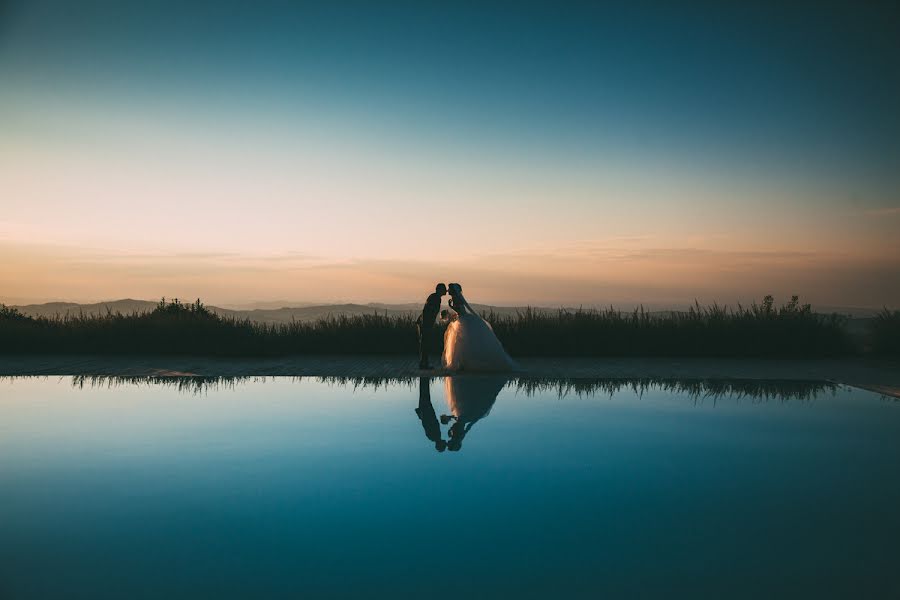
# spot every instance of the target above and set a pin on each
(309, 312)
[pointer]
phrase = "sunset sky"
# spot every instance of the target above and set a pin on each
(536, 153)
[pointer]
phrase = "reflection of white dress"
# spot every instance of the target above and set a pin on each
(471, 345)
(471, 398)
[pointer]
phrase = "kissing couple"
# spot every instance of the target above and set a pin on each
(469, 341)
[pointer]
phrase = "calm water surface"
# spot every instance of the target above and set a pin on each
(464, 488)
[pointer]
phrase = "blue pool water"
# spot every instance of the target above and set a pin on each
(310, 488)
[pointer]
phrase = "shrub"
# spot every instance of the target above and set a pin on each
(176, 328)
(886, 333)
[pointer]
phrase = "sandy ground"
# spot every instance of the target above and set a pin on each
(879, 376)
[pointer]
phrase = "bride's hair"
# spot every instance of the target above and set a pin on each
(454, 287)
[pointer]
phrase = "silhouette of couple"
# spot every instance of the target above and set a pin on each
(469, 340)
(469, 400)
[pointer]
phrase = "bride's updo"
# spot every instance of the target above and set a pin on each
(454, 288)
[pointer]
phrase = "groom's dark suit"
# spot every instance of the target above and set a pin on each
(427, 326)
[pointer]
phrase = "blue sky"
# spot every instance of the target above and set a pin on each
(756, 129)
(821, 82)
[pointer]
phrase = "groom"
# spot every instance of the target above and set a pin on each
(425, 323)
(426, 414)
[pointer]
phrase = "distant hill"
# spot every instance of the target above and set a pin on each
(52, 309)
(305, 312)
(262, 315)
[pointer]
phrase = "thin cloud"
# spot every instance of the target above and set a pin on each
(891, 211)
(623, 274)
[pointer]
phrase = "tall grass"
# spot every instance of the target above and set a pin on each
(886, 333)
(191, 329)
(758, 330)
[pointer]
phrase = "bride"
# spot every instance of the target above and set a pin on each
(470, 343)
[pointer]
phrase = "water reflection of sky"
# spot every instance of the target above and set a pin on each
(323, 487)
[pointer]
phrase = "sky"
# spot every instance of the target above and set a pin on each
(537, 153)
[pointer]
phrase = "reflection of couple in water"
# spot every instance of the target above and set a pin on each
(469, 400)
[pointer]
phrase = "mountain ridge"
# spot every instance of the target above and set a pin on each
(311, 312)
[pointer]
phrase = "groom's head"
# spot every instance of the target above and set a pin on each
(440, 289)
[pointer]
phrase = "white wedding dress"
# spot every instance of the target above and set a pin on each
(471, 345)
